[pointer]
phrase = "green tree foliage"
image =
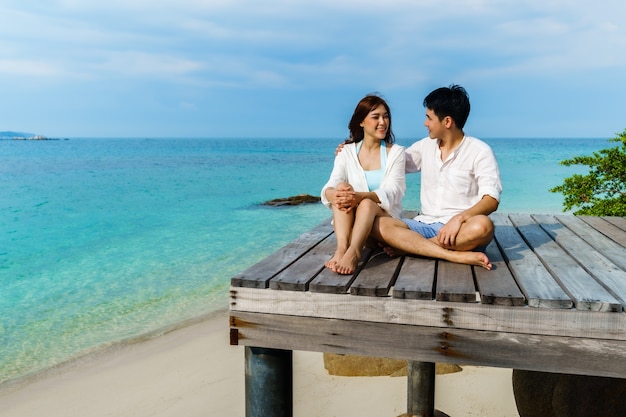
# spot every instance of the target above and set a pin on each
(602, 191)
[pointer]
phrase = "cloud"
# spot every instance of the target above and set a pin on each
(140, 64)
(181, 51)
(29, 68)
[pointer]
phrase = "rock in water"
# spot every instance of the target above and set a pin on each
(293, 201)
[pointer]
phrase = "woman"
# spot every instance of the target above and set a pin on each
(367, 181)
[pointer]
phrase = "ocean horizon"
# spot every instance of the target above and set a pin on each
(105, 240)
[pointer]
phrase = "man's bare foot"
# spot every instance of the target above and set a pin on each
(472, 258)
(330, 264)
(391, 252)
(347, 264)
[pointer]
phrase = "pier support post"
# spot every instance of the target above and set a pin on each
(269, 382)
(421, 389)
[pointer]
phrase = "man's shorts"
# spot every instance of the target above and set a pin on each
(427, 230)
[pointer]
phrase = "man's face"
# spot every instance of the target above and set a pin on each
(433, 124)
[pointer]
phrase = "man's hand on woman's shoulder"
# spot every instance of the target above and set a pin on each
(339, 148)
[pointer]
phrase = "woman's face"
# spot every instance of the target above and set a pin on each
(376, 123)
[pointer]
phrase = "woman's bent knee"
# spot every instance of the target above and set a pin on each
(368, 206)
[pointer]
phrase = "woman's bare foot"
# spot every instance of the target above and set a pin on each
(330, 264)
(348, 263)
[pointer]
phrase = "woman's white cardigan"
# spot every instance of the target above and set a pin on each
(392, 187)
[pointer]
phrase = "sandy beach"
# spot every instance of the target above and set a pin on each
(193, 371)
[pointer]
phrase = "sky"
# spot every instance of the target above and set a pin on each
(296, 69)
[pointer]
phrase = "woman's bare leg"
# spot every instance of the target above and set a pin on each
(342, 224)
(366, 213)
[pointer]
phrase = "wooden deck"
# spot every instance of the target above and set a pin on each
(558, 288)
(554, 301)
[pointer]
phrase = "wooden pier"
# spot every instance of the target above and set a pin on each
(554, 302)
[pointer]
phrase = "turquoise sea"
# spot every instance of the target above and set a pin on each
(105, 240)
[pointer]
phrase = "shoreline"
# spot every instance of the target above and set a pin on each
(191, 370)
(108, 348)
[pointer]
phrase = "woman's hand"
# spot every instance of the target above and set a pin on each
(345, 197)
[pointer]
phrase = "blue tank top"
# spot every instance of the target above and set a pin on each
(375, 177)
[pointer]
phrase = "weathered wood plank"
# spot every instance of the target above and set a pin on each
(259, 274)
(498, 285)
(455, 282)
(600, 357)
(416, 279)
(585, 291)
(537, 284)
(475, 316)
(409, 214)
(582, 254)
(608, 227)
(617, 221)
(298, 275)
(331, 282)
(377, 276)
(599, 238)
(611, 276)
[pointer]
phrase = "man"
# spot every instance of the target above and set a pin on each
(460, 187)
